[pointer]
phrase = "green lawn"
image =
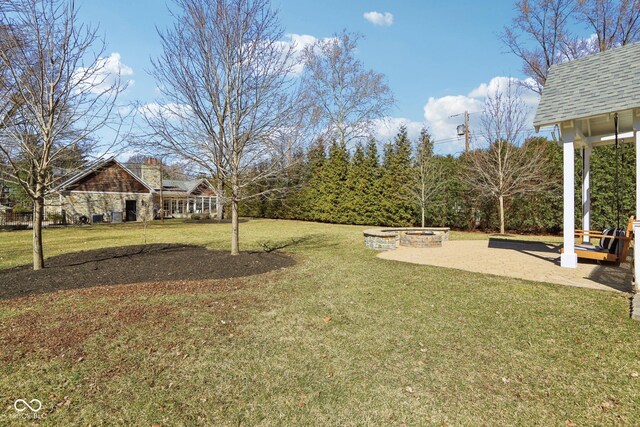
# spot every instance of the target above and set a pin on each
(342, 338)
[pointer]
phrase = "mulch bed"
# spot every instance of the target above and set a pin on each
(135, 264)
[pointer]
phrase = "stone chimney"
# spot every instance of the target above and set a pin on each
(150, 173)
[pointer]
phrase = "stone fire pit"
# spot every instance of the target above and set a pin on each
(420, 239)
(385, 239)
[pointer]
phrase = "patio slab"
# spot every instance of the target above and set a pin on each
(513, 258)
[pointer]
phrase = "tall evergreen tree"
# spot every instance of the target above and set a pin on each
(606, 192)
(372, 209)
(456, 206)
(333, 188)
(362, 185)
(397, 207)
(311, 194)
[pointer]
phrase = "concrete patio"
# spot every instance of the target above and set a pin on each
(514, 258)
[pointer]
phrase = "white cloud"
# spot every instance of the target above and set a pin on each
(387, 128)
(438, 112)
(297, 43)
(106, 74)
(300, 41)
(381, 19)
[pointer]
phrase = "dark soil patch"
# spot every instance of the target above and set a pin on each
(136, 264)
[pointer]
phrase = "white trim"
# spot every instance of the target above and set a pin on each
(82, 174)
(637, 177)
(598, 140)
(636, 259)
(95, 167)
(104, 192)
(568, 259)
(569, 123)
(586, 192)
(206, 181)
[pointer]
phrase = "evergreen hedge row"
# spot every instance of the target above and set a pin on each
(331, 184)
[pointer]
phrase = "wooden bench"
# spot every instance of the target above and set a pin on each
(587, 251)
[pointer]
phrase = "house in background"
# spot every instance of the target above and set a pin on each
(110, 191)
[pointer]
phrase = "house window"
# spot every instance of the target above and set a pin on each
(165, 206)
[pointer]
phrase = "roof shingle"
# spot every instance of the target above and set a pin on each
(603, 83)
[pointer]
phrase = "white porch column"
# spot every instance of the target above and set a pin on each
(568, 258)
(586, 192)
(636, 224)
(636, 125)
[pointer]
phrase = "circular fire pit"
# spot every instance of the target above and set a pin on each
(387, 239)
(420, 239)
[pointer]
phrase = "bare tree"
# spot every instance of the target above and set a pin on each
(508, 166)
(538, 35)
(430, 177)
(59, 95)
(228, 94)
(344, 98)
(541, 32)
(614, 22)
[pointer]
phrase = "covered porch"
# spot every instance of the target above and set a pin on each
(179, 205)
(592, 102)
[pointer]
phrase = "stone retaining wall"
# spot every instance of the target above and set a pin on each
(420, 240)
(386, 239)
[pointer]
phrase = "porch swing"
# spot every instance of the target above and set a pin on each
(614, 242)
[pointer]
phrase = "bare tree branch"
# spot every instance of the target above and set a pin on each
(430, 177)
(54, 74)
(344, 98)
(508, 166)
(228, 96)
(614, 22)
(538, 35)
(541, 33)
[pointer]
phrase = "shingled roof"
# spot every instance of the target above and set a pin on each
(603, 83)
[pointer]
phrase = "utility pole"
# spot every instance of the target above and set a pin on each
(466, 131)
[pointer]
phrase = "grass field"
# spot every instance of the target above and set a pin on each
(342, 338)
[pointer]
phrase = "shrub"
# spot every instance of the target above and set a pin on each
(21, 210)
(56, 218)
(195, 217)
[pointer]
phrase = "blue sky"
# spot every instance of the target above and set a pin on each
(437, 55)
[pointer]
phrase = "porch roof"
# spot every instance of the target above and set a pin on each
(589, 90)
(180, 188)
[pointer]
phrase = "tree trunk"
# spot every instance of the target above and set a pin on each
(38, 215)
(422, 198)
(235, 238)
(219, 202)
(501, 199)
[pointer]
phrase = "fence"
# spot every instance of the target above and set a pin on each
(20, 221)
